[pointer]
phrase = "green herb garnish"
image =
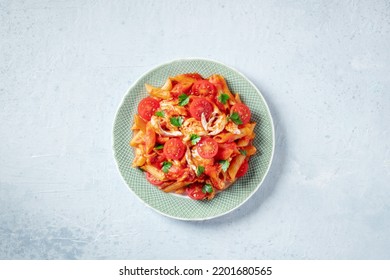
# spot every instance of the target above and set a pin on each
(183, 99)
(160, 114)
(165, 166)
(223, 98)
(224, 164)
(159, 147)
(176, 121)
(207, 188)
(243, 152)
(235, 118)
(199, 170)
(194, 138)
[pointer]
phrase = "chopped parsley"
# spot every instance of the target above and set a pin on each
(243, 152)
(183, 99)
(160, 114)
(159, 147)
(199, 170)
(194, 138)
(176, 121)
(207, 188)
(223, 98)
(165, 166)
(225, 165)
(234, 117)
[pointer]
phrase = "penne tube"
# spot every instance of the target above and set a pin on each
(167, 85)
(181, 190)
(235, 164)
(150, 138)
(138, 139)
(139, 123)
(243, 142)
(227, 137)
(176, 185)
(157, 92)
(139, 158)
(250, 150)
(156, 173)
(237, 98)
(248, 128)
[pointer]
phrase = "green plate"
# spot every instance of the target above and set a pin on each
(177, 206)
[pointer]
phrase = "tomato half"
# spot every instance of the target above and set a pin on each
(147, 107)
(207, 147)
(203, 88)
(174, 173)
(243, 169)
(174, 149)
(157, 159)
(180, 88)
(243, 111)
(153, 180)
(195, 192)
(200, 105)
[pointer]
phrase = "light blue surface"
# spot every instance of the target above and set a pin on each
(324, 69)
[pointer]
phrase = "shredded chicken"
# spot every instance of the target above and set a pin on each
(155, 121)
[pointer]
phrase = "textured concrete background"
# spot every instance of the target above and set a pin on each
(323, 67)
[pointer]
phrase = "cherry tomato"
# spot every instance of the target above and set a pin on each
(195, 192)
(200, 105)
(156, 160)
(243, 111)
(174, 149)
(147, 107)
(207, 147)
(243, 169)
(153, 180)
(180, 88)
(174, 173)
(204, 88)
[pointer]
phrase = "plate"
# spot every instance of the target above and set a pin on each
(177, 206)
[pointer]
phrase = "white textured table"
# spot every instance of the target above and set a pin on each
(323, 68)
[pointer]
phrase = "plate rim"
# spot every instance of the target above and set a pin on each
(178, 60)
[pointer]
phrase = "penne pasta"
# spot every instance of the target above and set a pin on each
(150, 138)
(138, 139)
(139, 159)
(157, 92)
(176, 185)
(192, 136)
(235, 164)
(139, 123)
(156, 173)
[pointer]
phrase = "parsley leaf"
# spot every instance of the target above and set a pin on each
(225, 165)
(159, 147)
(176, 121)
(223, 98)
(235, 118)
(183, 99)
(165, 166)
(160, 114)
(194, 138)
(199, 170)
(207, 188)
(243, 152)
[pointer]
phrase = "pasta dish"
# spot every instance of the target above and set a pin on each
(193, 136)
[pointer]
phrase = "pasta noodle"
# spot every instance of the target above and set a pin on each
(192, 136)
